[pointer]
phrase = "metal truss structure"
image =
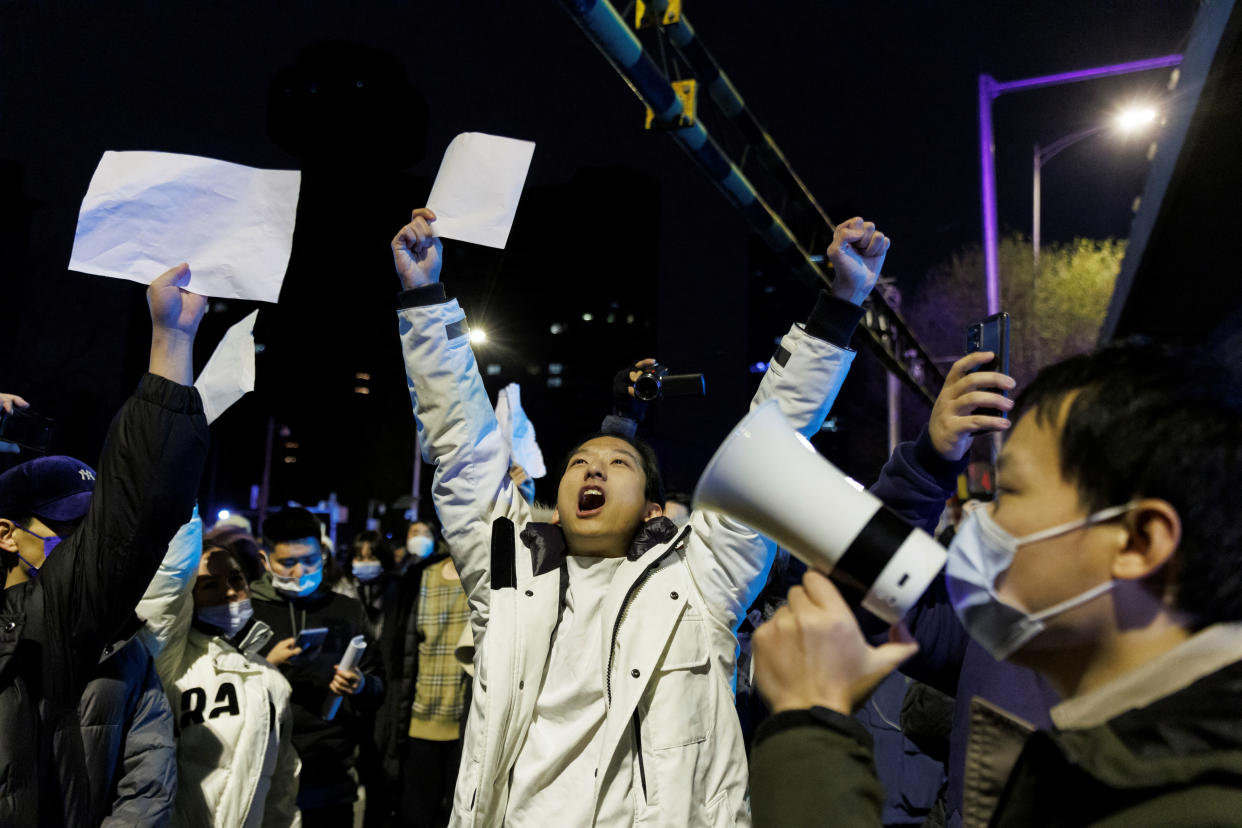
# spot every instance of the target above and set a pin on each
(800, 225)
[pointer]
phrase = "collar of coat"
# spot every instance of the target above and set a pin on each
(546, 542)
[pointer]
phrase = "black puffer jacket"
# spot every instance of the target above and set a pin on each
(53, 629)
(127, 733)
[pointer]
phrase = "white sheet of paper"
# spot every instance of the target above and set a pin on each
(475, 195)
(145, 212)
(229, 374)
(518, 431)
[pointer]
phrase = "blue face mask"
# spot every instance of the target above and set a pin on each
(298, 587)
(50, 542)
(367, 571)
(228, 618)
(980, 553)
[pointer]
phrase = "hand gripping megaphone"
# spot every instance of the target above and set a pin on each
(769, 477)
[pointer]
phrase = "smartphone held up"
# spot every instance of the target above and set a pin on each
(992, 335)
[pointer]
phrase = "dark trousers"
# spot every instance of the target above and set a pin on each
(428, 774)
(340, 815)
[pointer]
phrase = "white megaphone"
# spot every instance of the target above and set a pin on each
(769, 477)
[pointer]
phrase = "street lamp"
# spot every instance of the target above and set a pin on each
(989, 90)
(1127, 122)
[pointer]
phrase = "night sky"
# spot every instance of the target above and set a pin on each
(873, 103)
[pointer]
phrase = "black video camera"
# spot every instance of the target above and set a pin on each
(656, 383)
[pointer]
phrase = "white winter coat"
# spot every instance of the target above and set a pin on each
(236, 764)
(671, 728)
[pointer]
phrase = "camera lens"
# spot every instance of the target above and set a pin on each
(646, 388)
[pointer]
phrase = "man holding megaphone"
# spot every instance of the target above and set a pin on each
(605, 646)
(1108, 564)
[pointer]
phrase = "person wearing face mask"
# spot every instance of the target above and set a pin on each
(419, 730)
(79, 550)
(236, 764)
(369, 567)
(126, 723)
(1108, 563)
(291, 598)
(420, 543)
(915, 483)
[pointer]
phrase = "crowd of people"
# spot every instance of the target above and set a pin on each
(1077, 662)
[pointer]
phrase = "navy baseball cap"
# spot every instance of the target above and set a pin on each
(56, 488)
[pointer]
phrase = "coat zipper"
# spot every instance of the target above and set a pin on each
(638, 744)
(625, 608)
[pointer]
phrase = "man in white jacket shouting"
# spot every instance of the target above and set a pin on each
(605, 646)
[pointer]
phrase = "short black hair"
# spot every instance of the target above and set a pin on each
(291, 524)
(1149, 420)
(654, 489)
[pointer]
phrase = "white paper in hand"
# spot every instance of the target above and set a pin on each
(145, 212)
(476, 192)
(518, 431)
(229, 374)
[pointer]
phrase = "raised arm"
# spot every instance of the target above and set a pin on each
(915, 483)
(730, 561)
(457, 428)
(922, 474)
(148, 477)
(167, 607)
(812, 360)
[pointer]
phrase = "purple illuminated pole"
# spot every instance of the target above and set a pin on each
(990, 90)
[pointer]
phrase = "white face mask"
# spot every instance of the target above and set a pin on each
(228, 618)
(980, 553)
(420, 546)
(299, 587)
(367, 571)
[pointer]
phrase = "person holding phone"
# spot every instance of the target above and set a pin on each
(292, 599)
(1107, 564)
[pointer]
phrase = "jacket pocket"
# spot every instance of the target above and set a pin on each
(680, 697)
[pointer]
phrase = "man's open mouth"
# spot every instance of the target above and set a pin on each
(590, 501)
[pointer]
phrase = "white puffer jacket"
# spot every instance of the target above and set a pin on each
(236, 764)
(671, 734)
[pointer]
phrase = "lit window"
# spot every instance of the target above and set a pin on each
(554, 382)
(361, 389)
(557, 328)
(555, 368)
(493, 369)
(587, 317)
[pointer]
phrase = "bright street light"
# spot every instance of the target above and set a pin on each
(1132, 120)
(477, 336)
(989, 90)
(1127, 122)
